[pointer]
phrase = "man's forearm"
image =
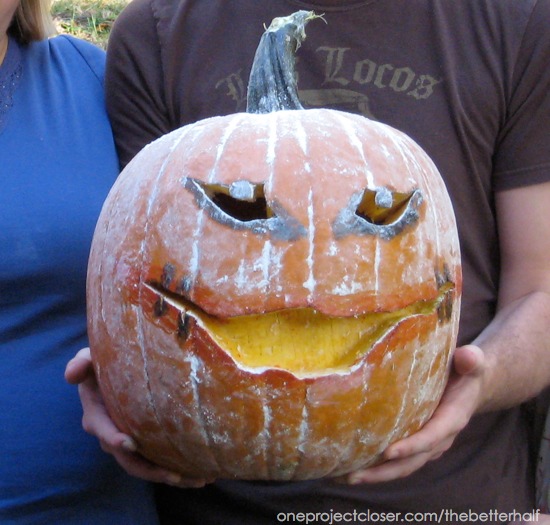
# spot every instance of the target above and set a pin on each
(517, 347)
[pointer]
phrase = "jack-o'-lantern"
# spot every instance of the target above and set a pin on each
(274, 294)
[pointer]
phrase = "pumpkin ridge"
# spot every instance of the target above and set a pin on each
(139, 322)
(197, 233)
(194, 377)
(119, 415)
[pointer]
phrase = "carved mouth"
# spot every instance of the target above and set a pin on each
(302, 341)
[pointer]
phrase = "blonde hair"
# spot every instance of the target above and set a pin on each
(32, 21)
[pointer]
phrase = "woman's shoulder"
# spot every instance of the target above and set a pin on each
(81, 51)
(72, 52)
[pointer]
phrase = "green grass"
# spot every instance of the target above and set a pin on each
(88, 19)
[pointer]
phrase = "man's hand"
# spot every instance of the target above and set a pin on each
(96, 421)
(459, 402)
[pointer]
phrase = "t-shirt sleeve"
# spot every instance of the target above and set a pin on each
(523, 149)
(134, 81)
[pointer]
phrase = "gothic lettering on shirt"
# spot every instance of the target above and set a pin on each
(346, 83)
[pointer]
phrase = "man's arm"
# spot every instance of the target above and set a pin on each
(134, 81)
(517, 342)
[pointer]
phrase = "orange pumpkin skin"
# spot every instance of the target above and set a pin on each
(164, 266)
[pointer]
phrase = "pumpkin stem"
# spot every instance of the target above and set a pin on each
(272, 85)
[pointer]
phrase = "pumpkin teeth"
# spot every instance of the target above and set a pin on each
(303, 341)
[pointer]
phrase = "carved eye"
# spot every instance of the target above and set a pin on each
(382, 206)
(241, 200)
(378, 212)
(242, 205)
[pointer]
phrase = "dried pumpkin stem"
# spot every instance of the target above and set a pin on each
(272, 85)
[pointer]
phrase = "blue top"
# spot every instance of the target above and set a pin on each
(57, 163)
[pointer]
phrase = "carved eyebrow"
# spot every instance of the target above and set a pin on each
(379, 212)
(243, 206)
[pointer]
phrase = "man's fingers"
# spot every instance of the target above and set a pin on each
(468, 359)
(435, 437)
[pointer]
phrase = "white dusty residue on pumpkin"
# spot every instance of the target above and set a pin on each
(349, 286)
(201, 413)
(276, 267)
(303, 436)
(429, 389)
(241, 276)
(386, 152)
(271, 154)
(421, 390)
(266, 432)
(435, 194)
(259, 273)
(265, 265)
(270, 263)
(194, 263)
(404, 147)
(419, 347)
(301, 136)
(367, 438)
(156, 185)
(310, 283)
(348, 127)
(399, 422)
(377, 262)
(333, 248)
(433, 210)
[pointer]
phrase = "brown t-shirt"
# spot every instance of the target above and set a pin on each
(469, 80)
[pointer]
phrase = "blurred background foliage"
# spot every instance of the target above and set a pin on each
(90, 20)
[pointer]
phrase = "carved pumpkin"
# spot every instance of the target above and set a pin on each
(275, 294)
